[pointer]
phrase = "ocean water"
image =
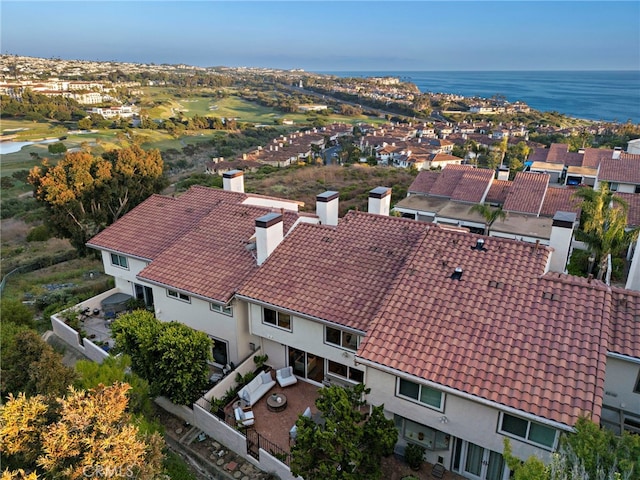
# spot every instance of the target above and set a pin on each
(612, 96)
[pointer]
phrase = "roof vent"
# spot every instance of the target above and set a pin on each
(457, 274)
(479, 245)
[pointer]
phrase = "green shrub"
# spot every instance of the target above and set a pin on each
(579, 263)
(39, 234)
(617, 269)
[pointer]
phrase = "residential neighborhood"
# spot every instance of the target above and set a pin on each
(466, 339)
(464, 271)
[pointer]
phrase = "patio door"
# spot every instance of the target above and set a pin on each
(145, 294)
(478, 463)
(306, 365)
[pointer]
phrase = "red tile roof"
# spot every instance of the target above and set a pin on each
(557, 152)
(424, 181)
(213, 259)
(560, 199)
(507, 343)
(506, 331)
(498, 191)
(527, 193)
(625, 320)
(337, 274)
(625, 169)
(138, 232)
(196, 242)
(633, 202)
(473, 185)
(594, 156)
(448, 180)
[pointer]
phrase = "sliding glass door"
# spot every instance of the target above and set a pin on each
(478, 463)
(306, 365)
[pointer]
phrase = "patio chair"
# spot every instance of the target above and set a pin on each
(285, 377)
(244, 418)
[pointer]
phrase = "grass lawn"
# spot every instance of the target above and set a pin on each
(26, 130)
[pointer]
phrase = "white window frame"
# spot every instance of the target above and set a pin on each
(277, 316)
(118, 261)
(178, 296)
(342, 377)
(343, 345)
(526, 438)
(417, 400)
(224, 309)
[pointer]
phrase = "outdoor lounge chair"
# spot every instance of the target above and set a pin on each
(244, 419)
(285, 377)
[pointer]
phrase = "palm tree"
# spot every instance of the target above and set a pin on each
(490, 214)
(603, 223)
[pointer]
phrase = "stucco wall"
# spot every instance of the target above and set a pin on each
(305, 335)
(468, 420)
(620, 379)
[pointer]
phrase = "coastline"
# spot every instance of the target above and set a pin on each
(608, 96)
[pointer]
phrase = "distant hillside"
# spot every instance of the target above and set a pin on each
(353, 183)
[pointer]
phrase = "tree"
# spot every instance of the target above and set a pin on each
(171, 356)
(85, 124)
(489, 214)
(603, 223)
(16, 312)
(84, 193)
(89, 430)
(589, 453)
(57, 148)
(531, 469)
(349, 445)
(112, 370)
(31, 366)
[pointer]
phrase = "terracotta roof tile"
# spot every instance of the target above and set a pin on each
(625, 169)
(557, 152)
(625, 320)
(559, 199)
(448, 180)
(594, 156)
(573, 159)
(338, 274)
(473, 185)
(213, 259)
(424, 181)
(633, 201)
(527, 193)
(472, 332)
(498, 191)
(136, 233)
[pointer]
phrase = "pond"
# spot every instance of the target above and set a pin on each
(13, 147)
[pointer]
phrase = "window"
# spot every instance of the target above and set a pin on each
(344, 371)
(178, 296)
(429, 438)
(421, 393)
(350, 341)
(119, 261)
(528, 431)
(637, 388)
(277, 319)
(636, 189)
(613, 187)
(227, 310)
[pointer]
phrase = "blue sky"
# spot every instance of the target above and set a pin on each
(332, 35)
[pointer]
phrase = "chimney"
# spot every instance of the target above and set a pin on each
(244, 156)
(560, 241)
(269, 234)
(503, 173)
(616, 153)
(327, 207)
(233, 181)
(380, 201)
